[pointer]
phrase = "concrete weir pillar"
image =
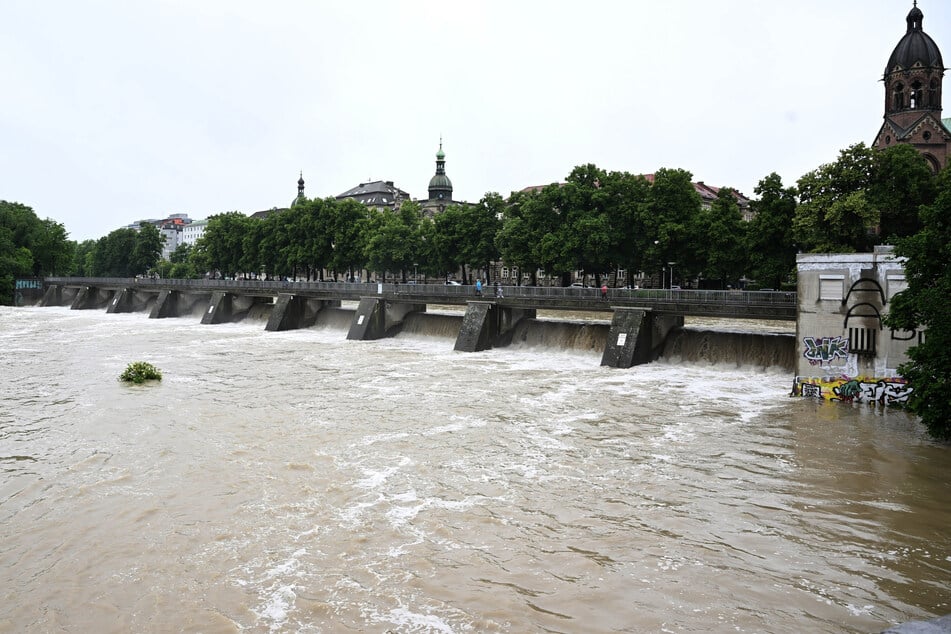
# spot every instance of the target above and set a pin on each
(294, 311)
(488, 324)
(53, 296)
(377, 318)
(89, 297)
(479, 328)
(122, 301)
(165, 306)
(219, 309)
(636, 337)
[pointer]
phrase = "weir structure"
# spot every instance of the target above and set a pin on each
(640, 319)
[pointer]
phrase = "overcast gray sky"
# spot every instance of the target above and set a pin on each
(114, 110)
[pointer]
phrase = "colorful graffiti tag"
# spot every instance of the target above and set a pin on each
(883, 391)
(823, 350)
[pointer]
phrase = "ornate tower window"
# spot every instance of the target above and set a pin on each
(916, 101)
(898, 99)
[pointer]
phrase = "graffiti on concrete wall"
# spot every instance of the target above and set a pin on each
(824, 350)
(883, 391)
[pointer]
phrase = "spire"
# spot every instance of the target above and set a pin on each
(300, 190)
(440, 159)
(915, 18)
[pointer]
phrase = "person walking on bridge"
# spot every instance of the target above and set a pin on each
(479, 288)
(604, 292)
(498, 289)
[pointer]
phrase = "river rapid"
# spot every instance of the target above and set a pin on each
(300, 482)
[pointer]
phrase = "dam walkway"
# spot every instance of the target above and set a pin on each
(640, 318)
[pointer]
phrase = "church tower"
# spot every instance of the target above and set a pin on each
(300, 191)
(912, 81)
(440, 187)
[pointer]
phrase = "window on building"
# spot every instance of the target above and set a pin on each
(831, 287)
(505, 272)
(862, 341)
(898, 96)
(894, 284)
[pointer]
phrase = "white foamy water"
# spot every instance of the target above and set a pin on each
(299, 482)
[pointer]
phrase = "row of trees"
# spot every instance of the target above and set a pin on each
(29, 247)
(597, 221)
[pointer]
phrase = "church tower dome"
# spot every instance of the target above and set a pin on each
(912, 79)
(440, 187)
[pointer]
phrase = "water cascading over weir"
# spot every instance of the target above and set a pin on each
(641, 328)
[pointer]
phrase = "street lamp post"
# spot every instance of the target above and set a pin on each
(671, 265)
(415, 275)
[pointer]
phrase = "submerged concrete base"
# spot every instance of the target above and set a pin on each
(636, 337)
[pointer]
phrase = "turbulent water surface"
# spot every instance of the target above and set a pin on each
(301, 482)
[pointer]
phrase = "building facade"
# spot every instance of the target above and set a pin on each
(379, 195)
(913, 81)
(844, 351)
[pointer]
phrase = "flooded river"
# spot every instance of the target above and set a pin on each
(300, 482)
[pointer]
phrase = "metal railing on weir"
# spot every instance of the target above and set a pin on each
(757, 304)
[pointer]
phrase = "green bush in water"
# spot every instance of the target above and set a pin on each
(140, 372)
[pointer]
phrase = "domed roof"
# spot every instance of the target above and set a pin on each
(440, 181)
(915, 47)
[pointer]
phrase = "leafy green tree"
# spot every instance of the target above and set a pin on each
(520, 236)
(347, 231)
(112, 256)
(900, 183)
(147, 249)
(479, 225)
(222, 242)
(835, 214)
(179, 265)
(724, 239)
(14, 262)
(82, 260)
(29, 247)
(52, 250)
(584, 234)
(924, 305)
(626, 211)
(447, 242)
(393, 244)
(315, 235)
(770, 242)
(671, 220)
